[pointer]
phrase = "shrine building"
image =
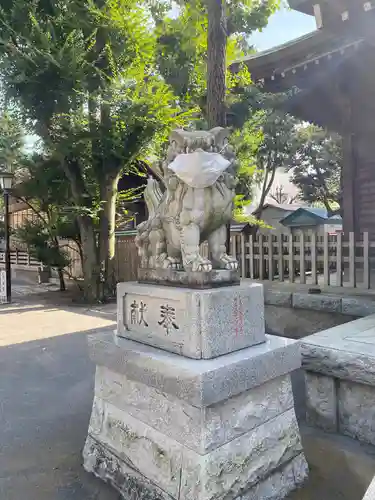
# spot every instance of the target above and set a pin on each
(332, 72)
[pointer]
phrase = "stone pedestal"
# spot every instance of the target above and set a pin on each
(200, 407)
(193, 323)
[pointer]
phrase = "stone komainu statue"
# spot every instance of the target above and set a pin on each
(194, 205)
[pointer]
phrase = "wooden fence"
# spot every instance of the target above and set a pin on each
(127, 261)
(305, 257)
(20, 258)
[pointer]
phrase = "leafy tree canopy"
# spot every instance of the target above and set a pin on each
(182, 44)
(102, 82)
(11, 142)
(265, 143)
(317, 167)
(84, 77)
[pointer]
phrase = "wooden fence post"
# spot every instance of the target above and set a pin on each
(326, 258)
(291, 258)
(366, 261)
(261, 257)
(251, 256)
(233, 245)
(314, 274)
(243, 256)
(302, 258)
(270, 257)
(352, 276)
(280, 246)
(339, 259)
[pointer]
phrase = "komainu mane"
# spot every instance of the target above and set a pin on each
(194, 205)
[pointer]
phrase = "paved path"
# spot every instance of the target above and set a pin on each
(46, 391)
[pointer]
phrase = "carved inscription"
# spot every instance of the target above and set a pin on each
(137, 313)
(155, 314)
(168, 318)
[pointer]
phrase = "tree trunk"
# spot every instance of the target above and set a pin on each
(90, 256)
(266, 187)
(107, 241)
(216, 63)
(216, 70)
(90, 265)
(61, 280)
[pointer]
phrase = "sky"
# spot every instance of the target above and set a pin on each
(283, 26)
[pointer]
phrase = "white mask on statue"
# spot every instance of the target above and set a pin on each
(200, 169)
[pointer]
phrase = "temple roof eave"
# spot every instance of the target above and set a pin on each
(299, 53)
(304, 6)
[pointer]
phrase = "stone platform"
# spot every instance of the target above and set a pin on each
(189, 279)
(193, 401)
(340, 379)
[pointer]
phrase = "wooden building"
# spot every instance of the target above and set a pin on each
(273, 213)
(332, 73)
(311, 218)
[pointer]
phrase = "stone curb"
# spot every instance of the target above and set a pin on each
(350, 306)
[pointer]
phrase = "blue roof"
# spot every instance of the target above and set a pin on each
(320, 214)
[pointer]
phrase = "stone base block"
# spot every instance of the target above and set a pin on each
(265, 463)
(198, 382)
(201, 429)
(131, 484)
(189, 279)
(194, 323)
(168, 427)
(340, 379)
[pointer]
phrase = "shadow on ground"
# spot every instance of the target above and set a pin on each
(46, 392)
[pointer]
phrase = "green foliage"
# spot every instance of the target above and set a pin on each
(248, 15)
(84, 75)
(182, 45)
(239, 215)
(181, 52)
(101, 83)
(42, 182)
(271, 138)
(43, 186)
(37, 237)
(11, 142)
(317, 167)
(246, 142)
(265, 143)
